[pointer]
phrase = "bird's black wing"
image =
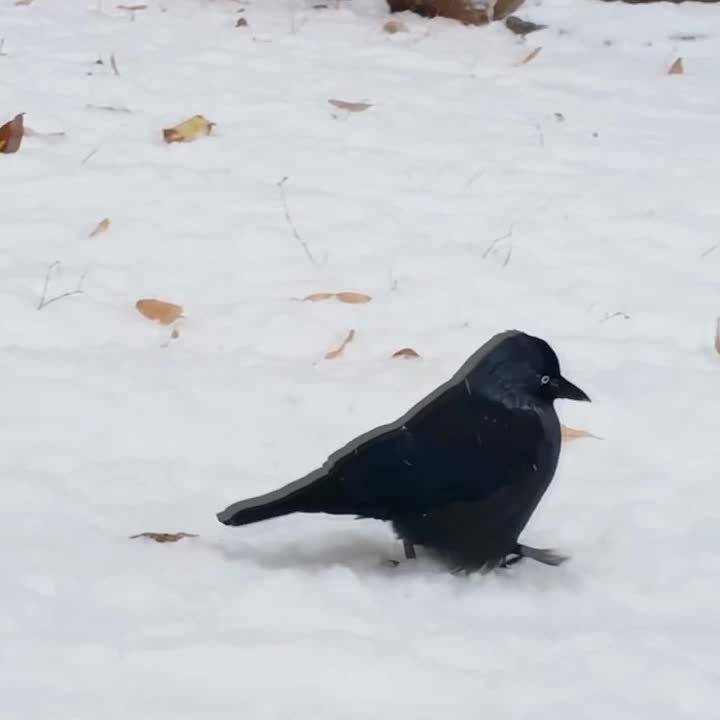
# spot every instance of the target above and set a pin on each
(465, 449)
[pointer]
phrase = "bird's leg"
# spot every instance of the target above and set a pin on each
(541, 555)
(409, 549)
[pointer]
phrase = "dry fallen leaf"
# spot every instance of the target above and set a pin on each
(23, 2)
(242, 22)
(101, 227)
(676, 68)
(717, 336)
(11, 135)
(317, 297)
(569, 433)
(163, 537)
(352, 297)
(339, 351)
(406, 352)
(188, 130)
(531, 55)
(163, 312)
(393, 26)
(132, 8)
(345, 296)
(350, 106)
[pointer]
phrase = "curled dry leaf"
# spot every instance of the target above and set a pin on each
(188, 130)
(339, 351)
(242, 22)
(717, 336)
(569, 433)
(354, 298)
(393, 26)
(11, 135)
(350, 106)
(676, 68)
(163, 537)
(163, 312)
(531, 55)
(406, 352)
(101, 227)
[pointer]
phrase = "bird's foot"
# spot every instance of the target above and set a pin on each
(541, 555)
(409, 549)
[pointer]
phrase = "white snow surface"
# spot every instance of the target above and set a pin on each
(475, 195)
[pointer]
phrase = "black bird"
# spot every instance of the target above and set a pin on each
(460, 473)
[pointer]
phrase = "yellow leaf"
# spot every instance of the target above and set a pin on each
(569, 433)
(339, 351)
(407, 352)
(350, 106)
(676, 68)
(101, 227)
(163, 312)
(163, 537)
(531, 55)
(352, 297)
(393, 26)
(188, 130)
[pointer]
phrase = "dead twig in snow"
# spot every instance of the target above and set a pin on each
(45, 301)
(295, 233)
(610, 316)
(710, 250)
(113, 65)
(492, 245)
(2, 45)
(89, 155)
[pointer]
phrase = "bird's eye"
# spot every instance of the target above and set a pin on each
(545, 379)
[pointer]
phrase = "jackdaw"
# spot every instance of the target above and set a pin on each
(460, 473)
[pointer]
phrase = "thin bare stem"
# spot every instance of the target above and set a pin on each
(492, 245)
(295, 233)
(45, 301)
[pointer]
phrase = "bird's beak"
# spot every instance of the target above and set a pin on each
(570, 392)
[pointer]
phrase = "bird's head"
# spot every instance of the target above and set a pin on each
(522, 370)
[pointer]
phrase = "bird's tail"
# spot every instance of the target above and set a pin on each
(296, 497)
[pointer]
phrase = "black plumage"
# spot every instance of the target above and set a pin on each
(460, 473)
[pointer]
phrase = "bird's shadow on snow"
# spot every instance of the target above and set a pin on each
(384, 559)
(360, 555)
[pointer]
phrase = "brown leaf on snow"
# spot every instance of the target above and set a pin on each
(132, 8)
(339, 351)
(406, 352)
(569, 433)
(11, 135)
(163, 312)
(345, 296)
(100, 228)
(188, 130)
(317, 297)
(676, 68)
(717, 336)
(353, 297)
(531, 55)
(163, 537)
(350, 106)
(23, 2)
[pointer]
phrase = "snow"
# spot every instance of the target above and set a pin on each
(465, 206)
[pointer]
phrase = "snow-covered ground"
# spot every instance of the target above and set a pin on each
(475, 195)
